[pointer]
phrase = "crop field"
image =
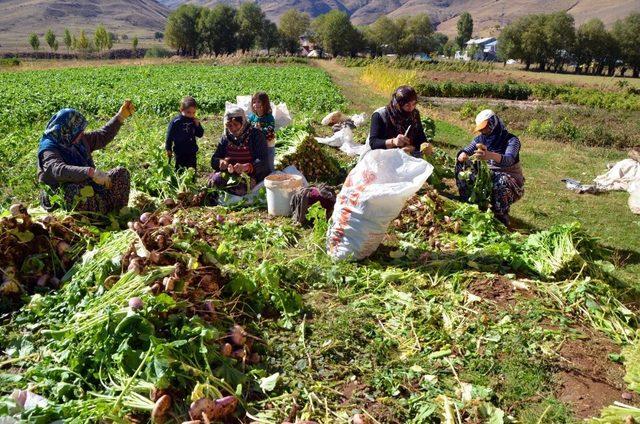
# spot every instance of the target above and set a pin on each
(173, 312)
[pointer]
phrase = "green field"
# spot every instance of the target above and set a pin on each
(452, 320)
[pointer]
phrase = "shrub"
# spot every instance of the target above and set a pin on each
(10, 62)
(158, 52)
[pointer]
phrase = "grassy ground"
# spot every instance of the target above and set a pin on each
(546, 201)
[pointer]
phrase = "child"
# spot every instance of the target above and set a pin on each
(263, 118)
(182, 133)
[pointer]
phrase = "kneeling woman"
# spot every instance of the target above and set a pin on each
(242, 151)
(65, 163)
(501, 150)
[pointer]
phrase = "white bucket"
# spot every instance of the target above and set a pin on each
(280, 189)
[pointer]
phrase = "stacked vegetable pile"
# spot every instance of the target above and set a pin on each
(141, 326)
(298, 147)
(35, 254)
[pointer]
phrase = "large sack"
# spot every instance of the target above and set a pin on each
(634, 201)
(373, 194)
(281, 115)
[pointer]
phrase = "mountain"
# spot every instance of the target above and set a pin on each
(19, 18)
(487, 14)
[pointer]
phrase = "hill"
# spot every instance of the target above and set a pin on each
(131, 17)
(487, 14)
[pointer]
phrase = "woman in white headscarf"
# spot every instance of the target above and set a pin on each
(242, 151)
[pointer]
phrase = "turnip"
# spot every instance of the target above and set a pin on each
(201, 406)
(42, 280)
(156, 288)
(62, 247)
(255, 358)
(135, 303)
(145, 217)
(170, 203)
(238, 335)
(456, 227)
(17, 209)
(161, 241)
(130, 225)
(169, 283)
(220, 219)
(136, 266)
(159, 413)
(360, 419)
(137, 227)
(226, 350)
(192, 422)
(165, 219)
(54, 282)
(154, 257)
(239, 354)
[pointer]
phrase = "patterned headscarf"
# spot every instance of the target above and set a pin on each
(63, 128)
(237, 112)
(498, 138)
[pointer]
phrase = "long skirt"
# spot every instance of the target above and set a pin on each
(99, 199)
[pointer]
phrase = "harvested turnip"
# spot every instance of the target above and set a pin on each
(62, 247)
(136, 266)
(224, 407)
(54, 282)
(192, 422)
(137, 227)
(17, 209)
(42, 280)
(165, 220)
(456, 227)
(220, 219)
(170, 203)
(156, 288)
(135, 303)
(145, 217)
(159, 413)
(201, 406)
(161, 241)
(239, 354)
(155, 257)
(169, 283)
(360, 419)
(255, 358)
(238, 335)
(226, 349)
(130, 225)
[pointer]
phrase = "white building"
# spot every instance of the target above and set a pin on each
(479, 49)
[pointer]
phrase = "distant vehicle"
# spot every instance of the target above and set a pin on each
(423, 57)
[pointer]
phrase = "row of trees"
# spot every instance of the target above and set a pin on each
(552, 41)
(102, 40)
(193, 30)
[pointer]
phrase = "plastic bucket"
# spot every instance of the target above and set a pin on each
(280, 189)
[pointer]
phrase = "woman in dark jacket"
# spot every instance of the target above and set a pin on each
(242, 151)
(65, 163)
(398, 124)
(501, 150)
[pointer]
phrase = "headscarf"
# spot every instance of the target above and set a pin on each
(400, 119)
(498, 138)
(237, 112)
(61, 131)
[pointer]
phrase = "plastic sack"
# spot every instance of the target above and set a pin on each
(333, 118)
(344, 140)
(359, 119)
(373, 194)
(245, 103)
(281, 115)
(634, 202)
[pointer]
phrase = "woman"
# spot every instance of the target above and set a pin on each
(501, 150)
(66, 166)
(242, 151)
(398, 125)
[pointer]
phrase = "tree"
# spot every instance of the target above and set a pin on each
(560, 38)
(293, 25)
(83, 42)
(336, 34)
(270, 36)
(627, 34)
(252, 20)
(218, 28)
(181, 30)
(591, 40)
(34, 41)
(134, 43)
(158, 35)
(450, 48)
(55, 46)
(68, 41)
(113, 37)
(438, 43)
(384, 35)
(465, 29)
(50, 38)
(416, 34)
(101, 38)
(525, 39)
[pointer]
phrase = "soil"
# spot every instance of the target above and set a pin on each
(498, 290)
(586, 379)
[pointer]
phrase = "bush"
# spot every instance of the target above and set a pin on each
(274, 60)
(10, 62)
(474, 89)
(407, 62)
(157, 52)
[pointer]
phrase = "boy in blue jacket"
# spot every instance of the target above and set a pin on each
(182, 133)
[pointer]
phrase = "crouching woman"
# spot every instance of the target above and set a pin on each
(501, 150)
(242, 152)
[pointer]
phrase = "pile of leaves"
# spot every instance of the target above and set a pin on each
(34, 255)
(299, 148)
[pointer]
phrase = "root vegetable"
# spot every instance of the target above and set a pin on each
(135, 303)
(169, 283)
(156, 288)
(226, 350)
(255, 358)
(155, 257)
(17, 209)
(137, 227)
(145, 217)
(42, 280)
(136, 266)
(165, 220)
(131, 225)
(62, 247)
(54, 282)
(456, 227)
(238, 336)
(239, 354)
(360, 419)
(201, 406)
(159, 413)
(220, 219)
(161, 241)
(192, 422)
(170, 203)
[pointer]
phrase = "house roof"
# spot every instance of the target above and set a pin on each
(480, 41)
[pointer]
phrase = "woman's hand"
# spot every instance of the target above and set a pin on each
(126, 110)
(463, 157)
(242, 168)
(401, 141)
(101, 178)
(487, 155)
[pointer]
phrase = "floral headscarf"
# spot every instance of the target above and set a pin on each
(63, 128)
